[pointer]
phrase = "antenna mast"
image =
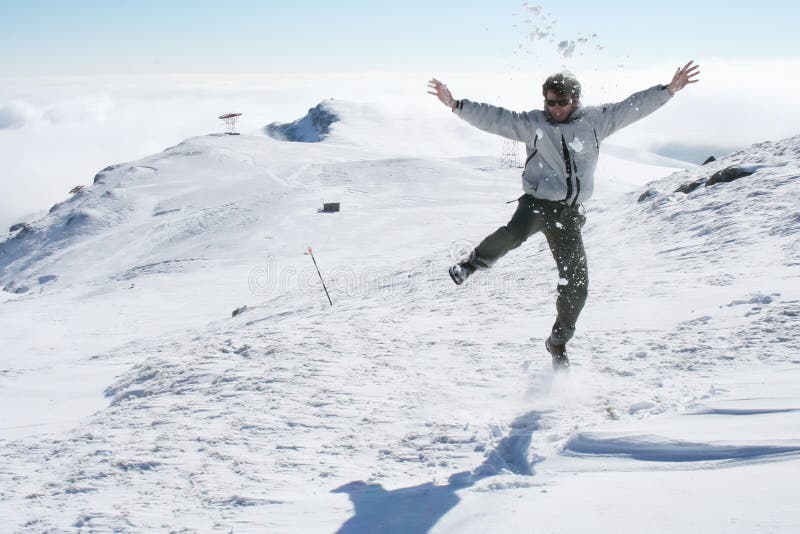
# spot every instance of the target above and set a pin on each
(510, 154)
(230, 120)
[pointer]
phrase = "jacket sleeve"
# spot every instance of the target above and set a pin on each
(497, 120)
(612, 117)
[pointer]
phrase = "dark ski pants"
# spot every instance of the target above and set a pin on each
(561, 225)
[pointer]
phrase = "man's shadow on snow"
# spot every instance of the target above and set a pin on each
(417, 509)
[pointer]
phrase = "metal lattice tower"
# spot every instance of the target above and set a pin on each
(230, 120)
(510, 155)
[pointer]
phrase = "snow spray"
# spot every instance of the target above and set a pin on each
(311, 252)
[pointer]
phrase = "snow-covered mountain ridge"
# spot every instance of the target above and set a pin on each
(748, 226)
(411, 405)
(216, 187)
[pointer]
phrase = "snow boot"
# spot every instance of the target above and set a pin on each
(559, 354)
(460, 272)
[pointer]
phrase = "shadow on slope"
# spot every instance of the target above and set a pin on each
(312, 128)
(412, 510)
(417, 509)
(653, 448)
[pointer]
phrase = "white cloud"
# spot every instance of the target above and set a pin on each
(15, 115)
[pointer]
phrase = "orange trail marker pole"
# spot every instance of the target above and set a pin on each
(311, 252)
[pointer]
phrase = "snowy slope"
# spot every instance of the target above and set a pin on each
(185, 236)
(411, 404)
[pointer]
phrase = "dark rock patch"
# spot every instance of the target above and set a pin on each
(12, 287)
(100, 175)
(691, 186)
(312, 128)
(728, 174)
(650, 193)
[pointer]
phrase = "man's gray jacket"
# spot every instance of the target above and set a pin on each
(562, 157)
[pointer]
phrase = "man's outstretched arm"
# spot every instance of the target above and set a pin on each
(613, 117)
(492, 119)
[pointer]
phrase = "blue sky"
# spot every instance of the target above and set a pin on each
(47, 37)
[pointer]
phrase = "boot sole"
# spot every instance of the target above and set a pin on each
(453, 277)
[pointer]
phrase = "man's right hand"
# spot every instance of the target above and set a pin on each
(442, 93)
(683, 77)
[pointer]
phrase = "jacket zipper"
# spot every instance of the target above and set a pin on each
(572, 171)
(535, 150)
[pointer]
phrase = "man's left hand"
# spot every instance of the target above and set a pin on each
(683, 77)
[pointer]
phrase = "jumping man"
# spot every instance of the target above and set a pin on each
(562, 143)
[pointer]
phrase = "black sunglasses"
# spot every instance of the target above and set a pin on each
(561, 102)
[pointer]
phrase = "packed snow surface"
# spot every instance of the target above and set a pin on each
(132, 401)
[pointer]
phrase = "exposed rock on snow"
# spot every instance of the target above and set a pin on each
(764, 157)
(650, 193)
(13, 287)
(729, 174)
(18, 226)
(98, 178)
(312, 128)
(688, 188)
(238, 311)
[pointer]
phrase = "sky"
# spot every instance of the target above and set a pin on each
(86, 84)
(201, 36)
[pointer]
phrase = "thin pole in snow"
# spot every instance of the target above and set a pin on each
(311, 252)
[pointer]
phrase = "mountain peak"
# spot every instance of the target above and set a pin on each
(312, 128)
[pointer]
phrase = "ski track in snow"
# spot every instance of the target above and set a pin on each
(418, 385)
